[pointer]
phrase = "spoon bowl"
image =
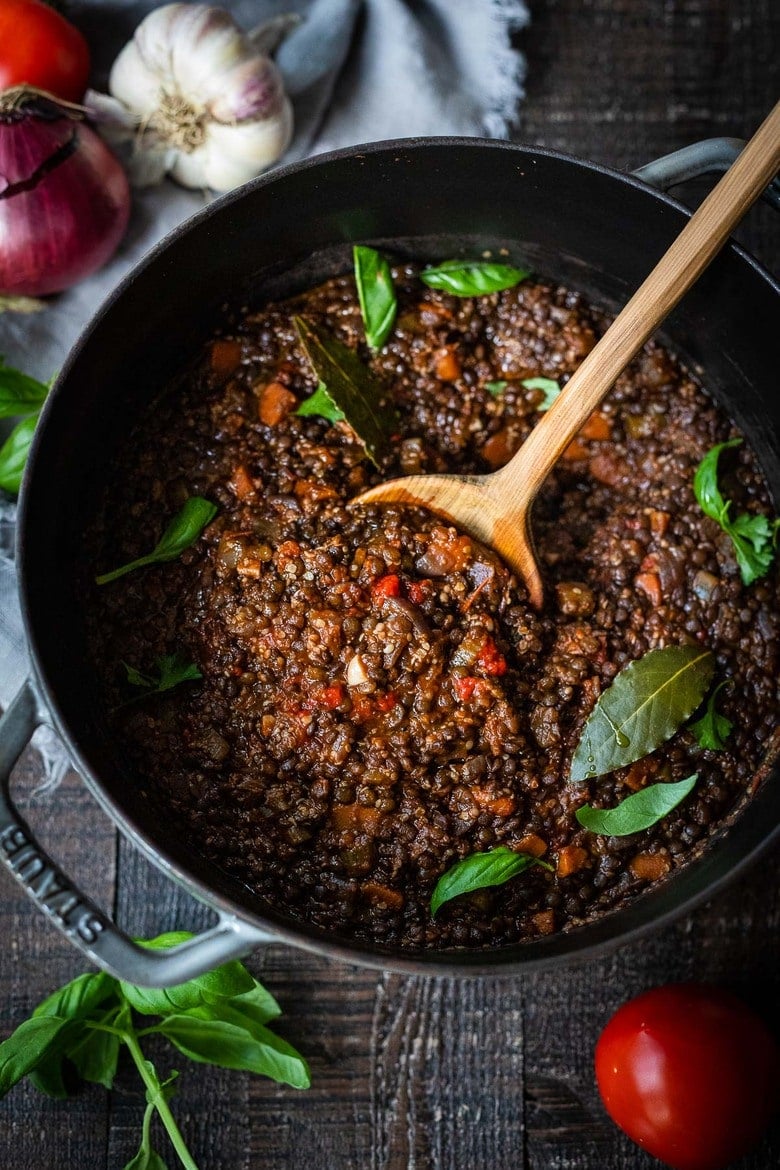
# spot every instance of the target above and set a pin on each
(496, 508)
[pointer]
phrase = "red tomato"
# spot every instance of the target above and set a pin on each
(41, 48)
(690, 1073)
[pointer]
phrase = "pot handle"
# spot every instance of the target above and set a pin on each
(710, 156)
(74, 914)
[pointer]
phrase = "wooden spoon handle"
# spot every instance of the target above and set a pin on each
(703, 235)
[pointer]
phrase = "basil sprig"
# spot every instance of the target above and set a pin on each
(19, 395)
(647, 702)
(219, 1018)
(14, 452)
(181, 533)
(751, 535)
(480, 870)
(351, 388)
(713, 729)
(172, 669)
(376, 294)
(549, 388)
(320, 404)
(637, 812)
(472, 278)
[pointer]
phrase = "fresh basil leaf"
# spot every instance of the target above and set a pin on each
(479, 870)
(713, 729)
(286, 1062)
(472, 278)
(79, 997)
(172, 669)
(753, 545)
(27, 1047)
(705, 483)
(136, 678)
(95, 1055)
(14, 452)
(321, 404)
(751, 536)
(19, 393)
(181, 533)
(257, 1006)
(214, 1041)
(643, 707)
(48, 1077)
(496, 388)
(76, 1002)
(637, 812)
(230, 980)
(376, 294)
(352, 388)
(549, 387)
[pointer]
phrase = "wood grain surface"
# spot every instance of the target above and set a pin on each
(440, 1074)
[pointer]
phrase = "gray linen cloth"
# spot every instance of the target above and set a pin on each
(357, 71)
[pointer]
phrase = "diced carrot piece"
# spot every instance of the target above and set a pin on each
(639, 774)
(386, 702)
(650, 585)
(608, 468)
(225, 356)
(532, 844)
(575, 450)
(544, 921)
(355, 818)
(387, 586)
(448, 367)
(598, 426)
(241, 482)
(288, 550)
(383, 895)
(649, 867)
(659, 522)
(500, 806)
(570, 859)
(275, 403)
(501, 446)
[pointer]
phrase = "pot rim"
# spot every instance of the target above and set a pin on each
(604, 934)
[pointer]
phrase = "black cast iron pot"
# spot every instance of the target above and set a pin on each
(589, 227)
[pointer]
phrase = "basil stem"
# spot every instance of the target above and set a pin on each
(181, 533)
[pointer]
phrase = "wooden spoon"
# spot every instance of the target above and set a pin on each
(495, 508)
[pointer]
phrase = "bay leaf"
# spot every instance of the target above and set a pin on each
(640, 811)
(352, 387)
(647, 702)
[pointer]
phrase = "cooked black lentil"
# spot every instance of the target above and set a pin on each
(378, 698)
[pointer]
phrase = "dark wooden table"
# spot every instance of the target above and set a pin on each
(412, 1074)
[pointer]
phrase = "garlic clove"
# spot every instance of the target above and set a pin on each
(134, 84)
(188, 169)
(206, 44)
(233, 155)
(251, 90)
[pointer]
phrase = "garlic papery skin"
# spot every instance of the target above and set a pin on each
(199, 100)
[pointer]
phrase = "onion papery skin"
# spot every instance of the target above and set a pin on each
(71, 202)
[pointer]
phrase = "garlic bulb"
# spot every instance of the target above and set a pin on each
(195, 98)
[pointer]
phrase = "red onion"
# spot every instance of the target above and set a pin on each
(64, 198)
